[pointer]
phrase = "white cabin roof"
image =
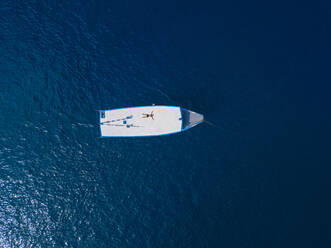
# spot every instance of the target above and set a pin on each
(133, 121)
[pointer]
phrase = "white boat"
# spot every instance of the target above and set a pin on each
(146, 121)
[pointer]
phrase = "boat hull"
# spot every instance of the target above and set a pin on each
(144, 121)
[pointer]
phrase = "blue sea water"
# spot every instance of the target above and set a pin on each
(259, 71)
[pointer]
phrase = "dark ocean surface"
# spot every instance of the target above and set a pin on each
(260, 71)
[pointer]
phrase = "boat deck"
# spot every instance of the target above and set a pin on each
(134, 121)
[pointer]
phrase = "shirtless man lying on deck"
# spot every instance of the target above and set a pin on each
(149, 115)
